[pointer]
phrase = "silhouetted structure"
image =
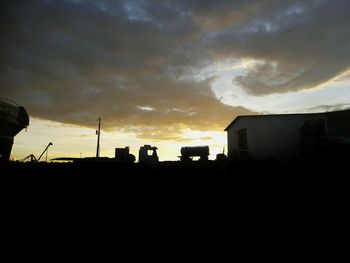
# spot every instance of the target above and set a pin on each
(148, 155)
(288, 136)
(197, 151)
(123, 155)
(98, 132)
(32, 157)
(13, 118)
(220, 157)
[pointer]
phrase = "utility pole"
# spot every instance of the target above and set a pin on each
(98, 138)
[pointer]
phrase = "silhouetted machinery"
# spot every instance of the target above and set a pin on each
(197, 151)
(123, 155)
(148, 154)
(13, 118)
(33, 159)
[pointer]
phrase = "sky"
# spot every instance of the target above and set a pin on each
(167, 73)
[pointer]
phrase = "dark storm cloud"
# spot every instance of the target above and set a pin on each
(71, 61)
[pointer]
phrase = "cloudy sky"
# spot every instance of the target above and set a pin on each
(168, 73)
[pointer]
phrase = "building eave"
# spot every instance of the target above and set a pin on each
(226, 129)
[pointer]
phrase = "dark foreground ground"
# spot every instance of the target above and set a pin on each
(312, 183)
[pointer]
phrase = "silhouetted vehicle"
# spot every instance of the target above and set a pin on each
(123, 155)
(221, 157)
(148, 155)
(13, 118)
(197, 151)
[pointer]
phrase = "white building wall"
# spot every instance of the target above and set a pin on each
(273, 136)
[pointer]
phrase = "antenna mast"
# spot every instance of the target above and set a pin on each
(98, 138)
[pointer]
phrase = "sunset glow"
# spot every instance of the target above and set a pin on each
(166, 73)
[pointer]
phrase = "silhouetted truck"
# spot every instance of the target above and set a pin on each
(13, 118)
(148, 155)
(194, 151)
(123, 155)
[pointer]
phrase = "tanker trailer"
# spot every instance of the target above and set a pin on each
(195, 151)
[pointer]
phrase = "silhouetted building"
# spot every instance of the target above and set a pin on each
(13, 118)
(287, 136)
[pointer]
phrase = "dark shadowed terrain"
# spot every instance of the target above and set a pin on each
(311, 183)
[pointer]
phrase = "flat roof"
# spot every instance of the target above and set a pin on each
(279, 115)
